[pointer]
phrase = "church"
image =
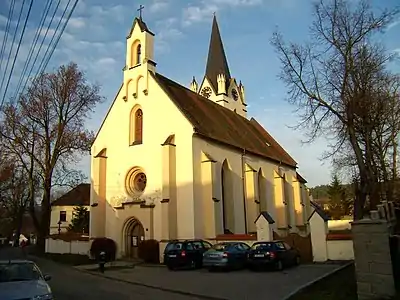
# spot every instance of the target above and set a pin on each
(175, 162)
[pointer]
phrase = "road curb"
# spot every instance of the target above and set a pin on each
(199, 296)
(310, 283)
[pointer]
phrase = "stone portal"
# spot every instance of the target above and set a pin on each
(133, 237)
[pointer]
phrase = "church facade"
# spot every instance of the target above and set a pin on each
(171, 162)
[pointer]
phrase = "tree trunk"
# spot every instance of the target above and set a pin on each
(362, 186)
(44, 224)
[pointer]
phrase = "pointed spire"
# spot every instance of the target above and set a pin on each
(193, 85)
(216, 62)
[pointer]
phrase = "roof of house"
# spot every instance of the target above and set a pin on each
(319, 211)
(267, 217)
(215, 122)
(80, 195)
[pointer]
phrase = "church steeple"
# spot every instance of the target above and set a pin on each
(139, 59)
(217, 63)
(218, 85)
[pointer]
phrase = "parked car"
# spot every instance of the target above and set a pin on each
(188, 253)
(226, 255)
(277, 254)
(22, 279)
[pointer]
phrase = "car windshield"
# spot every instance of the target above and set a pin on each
(19, 272)
(174, 246)
(262, 246)
(221, 246)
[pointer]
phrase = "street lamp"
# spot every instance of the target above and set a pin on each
(59, 227)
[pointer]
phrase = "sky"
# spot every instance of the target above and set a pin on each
(95, 39)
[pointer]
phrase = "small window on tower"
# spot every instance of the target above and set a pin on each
(138, 126)
(139, 54)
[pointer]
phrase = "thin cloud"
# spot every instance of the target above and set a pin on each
(204, 11)
(393, 24)
(77, 23)
(158, 6)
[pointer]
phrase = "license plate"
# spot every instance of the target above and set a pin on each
(258, 255)
(214, 255)
(172, 255)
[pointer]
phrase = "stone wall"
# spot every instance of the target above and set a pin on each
(372, 259)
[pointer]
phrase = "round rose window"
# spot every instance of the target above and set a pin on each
(140, 181)
(135, 183)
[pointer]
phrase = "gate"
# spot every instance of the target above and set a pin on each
(301, 243)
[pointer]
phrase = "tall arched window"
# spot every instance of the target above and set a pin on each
(227, 199)
(138, 126)
(138, 54)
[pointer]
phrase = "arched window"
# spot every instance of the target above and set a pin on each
(138, 126)
(138, 54)
(227, 199)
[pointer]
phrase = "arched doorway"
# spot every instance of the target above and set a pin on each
(133, 236)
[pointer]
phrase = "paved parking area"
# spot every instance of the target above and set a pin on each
(233, 285)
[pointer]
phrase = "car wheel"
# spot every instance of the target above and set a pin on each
(279, 265)
(198, 264)
(253, 268)
(192, 264)
(171, 268)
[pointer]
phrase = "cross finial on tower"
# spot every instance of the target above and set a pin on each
(140, 11)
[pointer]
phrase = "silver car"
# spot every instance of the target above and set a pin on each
(22, 279)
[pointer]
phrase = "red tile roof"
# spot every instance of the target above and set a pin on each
(215, 122)
(79, 195)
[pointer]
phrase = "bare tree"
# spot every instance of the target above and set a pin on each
(45, 130)
(338, 80)
(14, 197)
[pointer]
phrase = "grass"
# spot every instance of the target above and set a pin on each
(341, 285)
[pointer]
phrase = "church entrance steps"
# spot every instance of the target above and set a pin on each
(236, 285)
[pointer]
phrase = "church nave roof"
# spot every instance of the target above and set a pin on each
(213, 121)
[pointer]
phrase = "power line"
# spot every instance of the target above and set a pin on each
(3, 46)
(40, 47)
(48, 47)
(59, 36)
(11, 48)
(33, 46)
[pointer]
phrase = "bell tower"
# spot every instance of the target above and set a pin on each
(218, 85)
(139, 59)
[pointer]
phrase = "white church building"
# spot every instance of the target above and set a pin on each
(171, 162)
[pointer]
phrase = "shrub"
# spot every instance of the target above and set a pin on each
(149, 251)
(103, 245)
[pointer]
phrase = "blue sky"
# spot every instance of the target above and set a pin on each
(96, 34)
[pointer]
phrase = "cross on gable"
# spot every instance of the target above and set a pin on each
(140, 11)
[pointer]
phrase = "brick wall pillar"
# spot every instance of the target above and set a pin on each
(372, 259)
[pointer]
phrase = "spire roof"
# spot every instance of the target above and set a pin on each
(216, 61)
(142, 25)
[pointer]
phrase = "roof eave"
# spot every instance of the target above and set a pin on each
(243, 150)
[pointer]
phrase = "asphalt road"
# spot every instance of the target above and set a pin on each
(68, 283)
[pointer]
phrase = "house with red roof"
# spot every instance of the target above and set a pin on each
(63, 207)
